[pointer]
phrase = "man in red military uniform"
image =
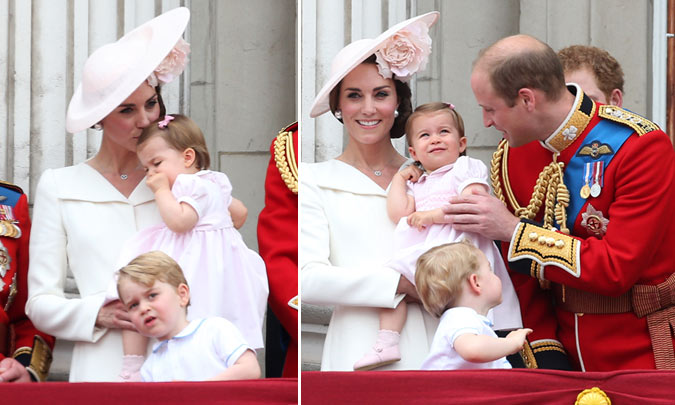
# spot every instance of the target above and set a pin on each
(601, 282)
(278, 238)
(25, 353)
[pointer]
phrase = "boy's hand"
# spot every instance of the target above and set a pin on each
(517, 337)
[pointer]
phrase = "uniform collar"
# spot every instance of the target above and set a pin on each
(574, 124)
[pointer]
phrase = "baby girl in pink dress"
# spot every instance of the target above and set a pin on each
(226, 278)
(435, 133)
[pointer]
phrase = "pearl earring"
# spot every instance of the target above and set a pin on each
(98, 126)
(395, 113)
(338, 114)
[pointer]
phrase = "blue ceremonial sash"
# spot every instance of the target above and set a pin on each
(607, 132)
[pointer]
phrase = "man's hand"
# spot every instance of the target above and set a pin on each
(12, 371)
(481, 213)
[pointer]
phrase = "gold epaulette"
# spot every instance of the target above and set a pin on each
(545, 247)
(639, 124)
(284, 157)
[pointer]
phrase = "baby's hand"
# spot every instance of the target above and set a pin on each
(411, 173)
(518, 338)
(420, 220)
(157, 181)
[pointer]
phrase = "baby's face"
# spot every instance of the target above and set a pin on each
(157, 156)
(157, 311)
(435, 140)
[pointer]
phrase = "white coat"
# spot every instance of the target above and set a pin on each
(80, 221)
(345, 238)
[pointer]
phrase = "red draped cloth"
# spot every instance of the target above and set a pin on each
(516, 386)
(263, 391)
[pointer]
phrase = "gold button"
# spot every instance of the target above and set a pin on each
(560, 244)
(533, 236)
(542, 240)
(550, 241)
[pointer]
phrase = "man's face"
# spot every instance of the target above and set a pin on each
(510, 120)
(585, 78)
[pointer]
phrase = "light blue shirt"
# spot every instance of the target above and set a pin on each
(454, 323)
(205, 348)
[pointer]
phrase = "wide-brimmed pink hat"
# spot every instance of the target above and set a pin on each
(115, 70)
(401, 51)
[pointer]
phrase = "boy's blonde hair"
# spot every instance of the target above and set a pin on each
(150, 267)
(429, 108)
(180, 134)
(441, 271)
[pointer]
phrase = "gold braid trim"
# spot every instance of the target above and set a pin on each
(549, 189)
(284, 157)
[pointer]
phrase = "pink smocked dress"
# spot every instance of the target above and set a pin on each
(431, 191)
(226, 278)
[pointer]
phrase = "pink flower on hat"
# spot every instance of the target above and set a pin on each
(405, 53)
(172, 65)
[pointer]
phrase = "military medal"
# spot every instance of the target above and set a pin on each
(5, 260)
(586, 190)
(594, 221)
(596, 188)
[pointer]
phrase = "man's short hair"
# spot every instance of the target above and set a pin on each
(607, 70)
(534, 67)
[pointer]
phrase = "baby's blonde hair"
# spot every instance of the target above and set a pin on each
(441, 271)
(150, 267)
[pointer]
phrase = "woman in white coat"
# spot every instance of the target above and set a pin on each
(84, 213)
(346, 235)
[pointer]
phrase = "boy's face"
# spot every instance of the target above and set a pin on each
(491, 284)
(157, 311)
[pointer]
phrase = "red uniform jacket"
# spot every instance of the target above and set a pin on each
(278, 237)
(623, 237)
(17, 333)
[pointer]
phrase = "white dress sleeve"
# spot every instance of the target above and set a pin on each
(47, 306)
(469, 171)
(192, 190)
(326, 284)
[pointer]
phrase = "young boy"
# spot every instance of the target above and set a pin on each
(154, 290)
(455, 283)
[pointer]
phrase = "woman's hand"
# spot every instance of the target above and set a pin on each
(407, 288)
(114, 316)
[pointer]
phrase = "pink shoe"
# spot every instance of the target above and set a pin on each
(378, 356)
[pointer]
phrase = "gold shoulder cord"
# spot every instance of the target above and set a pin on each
(284, 156)
(549, 190)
